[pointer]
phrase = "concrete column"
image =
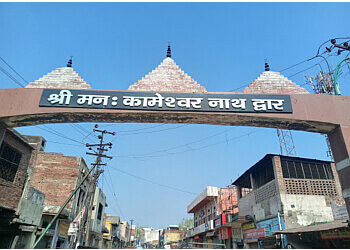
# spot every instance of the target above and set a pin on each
(2, 133)
(340, 143)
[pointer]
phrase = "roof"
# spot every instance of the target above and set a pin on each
(61, 78)
(314, 228)
(264, 159)
(20, 137)
(270, 82)
(204, 197)
(168, 77)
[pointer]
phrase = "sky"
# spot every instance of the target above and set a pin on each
(158, 169)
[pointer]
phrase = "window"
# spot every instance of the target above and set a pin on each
(99, 213)
(263, 175)
(306, 169)
(9, 162)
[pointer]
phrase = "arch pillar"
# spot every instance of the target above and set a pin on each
(340, 144)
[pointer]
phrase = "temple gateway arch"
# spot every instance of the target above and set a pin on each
(168, 95)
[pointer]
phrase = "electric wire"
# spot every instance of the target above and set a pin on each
(58, 134)
(153, 182)
(188, 150)
(156, 131)
(11, 77)
(116, 200)
(13, 70)
(150, 132)
(187, 144)
(70, 144)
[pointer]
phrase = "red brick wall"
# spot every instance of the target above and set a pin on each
(55, 175)
(11, 192)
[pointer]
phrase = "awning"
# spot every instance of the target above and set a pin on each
(314, 228)
(210, 234)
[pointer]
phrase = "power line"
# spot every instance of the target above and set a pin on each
(156, 131)
(151, 132)
(187, 144)
(64, 143)
(13, 70)
(57, 133)
(153, 182)
(11, 77)
(190, 149)
(113, 192)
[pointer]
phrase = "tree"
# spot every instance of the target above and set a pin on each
(138, 233)
(186, 223)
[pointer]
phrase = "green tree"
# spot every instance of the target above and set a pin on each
(186, 223)
(138, 232)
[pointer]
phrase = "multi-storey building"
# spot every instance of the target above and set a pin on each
(111, 238)
(281, 192)
(211, 210)
(150, 237)
(124, 233)
(21, 204)
(170, 237)
(97, 227)
(56, 176)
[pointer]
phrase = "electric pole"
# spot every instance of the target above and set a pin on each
(89, 198)
(130, 232)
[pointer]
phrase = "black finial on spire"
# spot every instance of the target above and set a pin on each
(69, 64)
(267, 67)
(168, 53)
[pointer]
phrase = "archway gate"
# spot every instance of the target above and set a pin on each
(328, 114)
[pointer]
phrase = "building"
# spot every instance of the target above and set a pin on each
(56, 176)
(21, 207)
(171, 236)
(212, 209)
(112, 238)
(150, 237)
(281, 192)
(97, 226)
(124, 233)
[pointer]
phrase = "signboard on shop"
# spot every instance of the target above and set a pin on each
(93, 99)
(63, 229)
(217, 222)
(340, 233)
(225, 233)
(247, 226)
(255, 233)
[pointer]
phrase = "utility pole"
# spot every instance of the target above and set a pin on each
(130, 232)
(86, 220)
(324, 85)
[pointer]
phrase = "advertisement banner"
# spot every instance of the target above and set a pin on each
(63, 229)
(255, 233)
(247, 226)
(217, 222)
(272, 225)
(225, 233)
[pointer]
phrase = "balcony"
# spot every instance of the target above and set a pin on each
(203, 228)
(208, 194)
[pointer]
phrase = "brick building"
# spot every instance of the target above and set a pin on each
(281, 192)
(21, 205)
(57, 176)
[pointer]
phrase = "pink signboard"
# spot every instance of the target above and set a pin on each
(255, 233)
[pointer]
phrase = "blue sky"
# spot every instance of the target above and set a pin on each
(221, 45)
